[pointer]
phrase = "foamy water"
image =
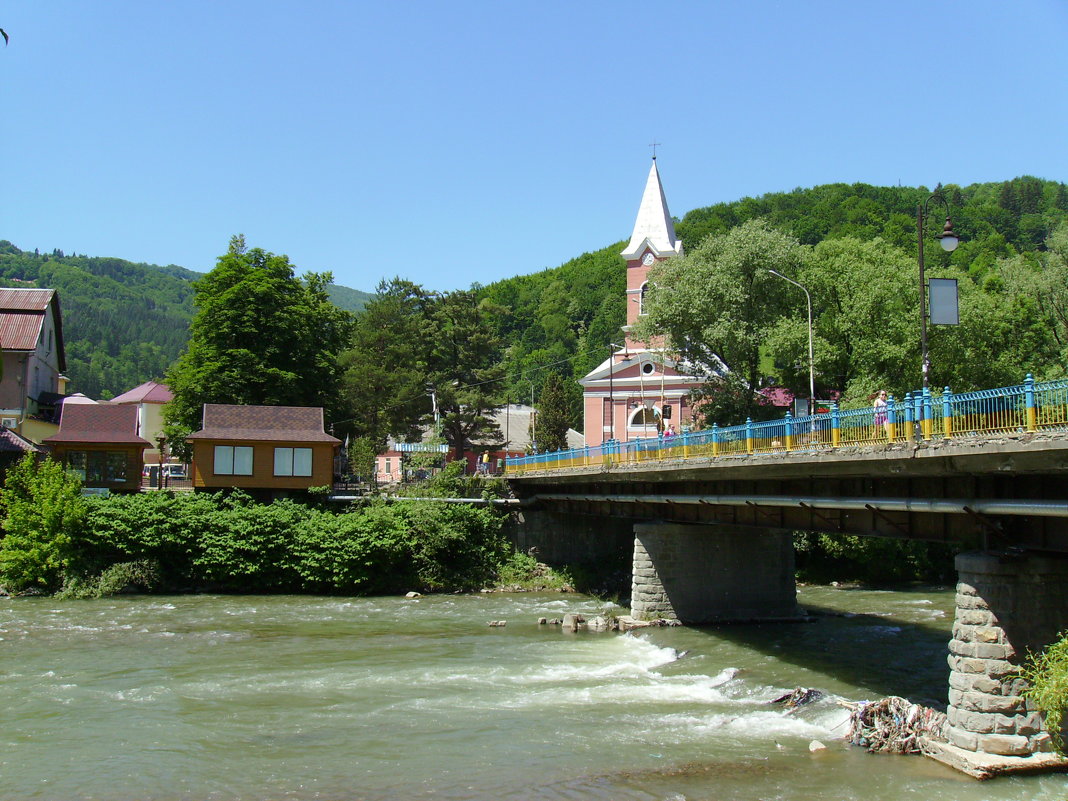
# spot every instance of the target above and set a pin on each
(248, 698)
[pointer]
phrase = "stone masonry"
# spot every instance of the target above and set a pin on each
(1007, 604)
(704, 574)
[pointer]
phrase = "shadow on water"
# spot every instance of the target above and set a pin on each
(883, 653)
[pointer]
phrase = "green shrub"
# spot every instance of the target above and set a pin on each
(42, 508)
(230, 543)
(139, 576)
(1047, 674)
(524, 572)
(359, 552)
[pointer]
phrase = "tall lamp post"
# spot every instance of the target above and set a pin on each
(949, 242)
(811, 367)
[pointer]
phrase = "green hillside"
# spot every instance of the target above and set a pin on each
(123, 322)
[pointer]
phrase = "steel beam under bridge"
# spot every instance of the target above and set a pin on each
(1011, 491)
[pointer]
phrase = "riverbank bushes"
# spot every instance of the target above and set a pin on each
(821, 558)
(231, 543)
(56, 540)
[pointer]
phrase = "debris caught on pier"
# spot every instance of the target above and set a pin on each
(893, 725)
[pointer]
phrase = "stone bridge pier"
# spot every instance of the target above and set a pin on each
(712, 573)
(1007, 604)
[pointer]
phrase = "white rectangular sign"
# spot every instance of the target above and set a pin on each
(943, 294)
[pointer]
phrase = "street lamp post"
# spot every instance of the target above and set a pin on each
(949, 242)
(811, 367)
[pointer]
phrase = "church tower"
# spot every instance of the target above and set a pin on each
(652, 240)
(640, 390)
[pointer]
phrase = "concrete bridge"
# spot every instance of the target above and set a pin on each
(710, 542)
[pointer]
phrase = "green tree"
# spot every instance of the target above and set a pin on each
(1041, 281)
(42, 509)
(385, 367)
(553, 417)
(865, 304)
(465, 368)
(361, 455)
(717, 303)
(260, 336)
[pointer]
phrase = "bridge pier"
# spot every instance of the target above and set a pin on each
(1007, 603)
(712, 574)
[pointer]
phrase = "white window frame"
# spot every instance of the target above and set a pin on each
(293, 462)
(233, 460)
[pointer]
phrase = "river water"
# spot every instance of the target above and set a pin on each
(389, 699)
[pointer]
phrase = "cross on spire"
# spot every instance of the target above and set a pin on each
(654, 144)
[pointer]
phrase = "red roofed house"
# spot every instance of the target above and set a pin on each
(273, 448)
(149, 399)
(99, 442)
(31, 346)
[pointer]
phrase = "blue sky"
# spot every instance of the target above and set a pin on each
(460, 142)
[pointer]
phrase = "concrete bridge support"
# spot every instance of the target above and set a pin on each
(1007, 603)
(712, 573)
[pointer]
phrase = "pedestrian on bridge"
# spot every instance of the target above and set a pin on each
(879, 414)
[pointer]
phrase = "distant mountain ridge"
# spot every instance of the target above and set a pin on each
(124, 323)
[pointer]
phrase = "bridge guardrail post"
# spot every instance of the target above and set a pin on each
(715, 440)
(685, 444)
(891, 419)
(789, 432)
(910, 418)
(926, 413)
(1029, 396)
(836, 426)
(749, 447)
(947, 413)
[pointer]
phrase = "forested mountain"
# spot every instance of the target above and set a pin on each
(563, 319)
(123, 323)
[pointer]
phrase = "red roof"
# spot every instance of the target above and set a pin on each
(98, 423)
(26, 300)
(264, 423)
(10, 442)
(148, 392)
(22, 313)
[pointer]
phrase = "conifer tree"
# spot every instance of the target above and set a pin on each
(551, 422)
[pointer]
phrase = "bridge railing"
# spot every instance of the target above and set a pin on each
(920, 415)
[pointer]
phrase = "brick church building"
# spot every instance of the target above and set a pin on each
(640, 389)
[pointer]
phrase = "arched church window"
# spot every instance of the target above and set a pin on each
(645, 416)
(641, 298)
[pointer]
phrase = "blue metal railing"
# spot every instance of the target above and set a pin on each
(921, 415)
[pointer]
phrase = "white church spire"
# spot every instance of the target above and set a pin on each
(654, 228)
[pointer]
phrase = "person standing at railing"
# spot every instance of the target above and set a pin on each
(669, 431)
(879, 414)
